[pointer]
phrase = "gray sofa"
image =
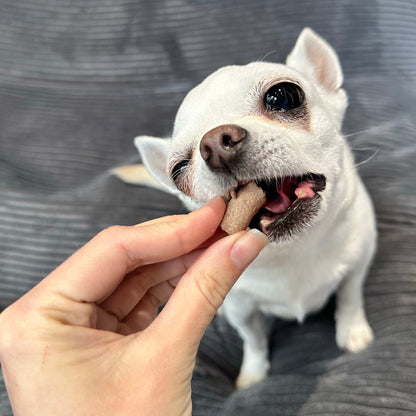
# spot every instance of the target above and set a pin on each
(78, 81)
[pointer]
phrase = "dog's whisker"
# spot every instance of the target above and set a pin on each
(261, 59)
(368, 159)
(357, 133)
(381, 127)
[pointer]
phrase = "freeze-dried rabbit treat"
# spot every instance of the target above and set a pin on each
(242, 207)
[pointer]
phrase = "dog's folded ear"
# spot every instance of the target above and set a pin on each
(154, 153)
(137, 174)
(315, 58)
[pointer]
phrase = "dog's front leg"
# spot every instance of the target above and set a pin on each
(244, 316)
(353, 333)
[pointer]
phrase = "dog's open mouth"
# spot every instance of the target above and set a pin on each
(291, 204)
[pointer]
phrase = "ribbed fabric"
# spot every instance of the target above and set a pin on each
(80, 79)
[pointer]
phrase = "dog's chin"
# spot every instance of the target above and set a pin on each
(291, 207)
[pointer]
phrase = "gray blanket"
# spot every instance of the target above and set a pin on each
(79, 79)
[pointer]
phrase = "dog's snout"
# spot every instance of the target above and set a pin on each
(220, 145)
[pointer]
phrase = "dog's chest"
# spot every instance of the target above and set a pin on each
(291, 285)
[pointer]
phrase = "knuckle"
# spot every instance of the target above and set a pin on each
(212, 288)
(117, 237)
(11, 333)
(4, 331)
(110, 235)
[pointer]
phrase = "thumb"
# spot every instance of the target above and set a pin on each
(203, 288)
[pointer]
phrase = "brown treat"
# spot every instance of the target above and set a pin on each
(242, 208)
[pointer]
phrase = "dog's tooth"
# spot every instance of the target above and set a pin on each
(304, 190)
(233, 194)
(300, 193)
(266, 222)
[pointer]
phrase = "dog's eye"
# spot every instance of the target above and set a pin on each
(283, 96)
(178, 169)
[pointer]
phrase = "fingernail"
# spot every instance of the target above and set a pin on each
(247, 248)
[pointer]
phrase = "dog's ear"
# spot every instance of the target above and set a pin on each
(136, 174)
(314, 57)
(154, 153)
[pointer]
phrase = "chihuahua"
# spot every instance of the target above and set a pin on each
(280, 127)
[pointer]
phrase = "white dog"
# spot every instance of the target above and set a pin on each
(280, 126)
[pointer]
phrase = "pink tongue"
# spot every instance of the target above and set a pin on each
(283, 201)
(279, 204)
(287, 189)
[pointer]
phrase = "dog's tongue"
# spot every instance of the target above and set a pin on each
(278, 205)
(283, 199)
(287, 191)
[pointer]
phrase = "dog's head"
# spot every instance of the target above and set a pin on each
(278, 125)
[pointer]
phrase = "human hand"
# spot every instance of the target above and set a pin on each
(87, 341)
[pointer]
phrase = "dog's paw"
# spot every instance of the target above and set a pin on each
(354, 337)
(247, 378)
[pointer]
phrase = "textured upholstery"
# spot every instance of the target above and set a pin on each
(79, 79)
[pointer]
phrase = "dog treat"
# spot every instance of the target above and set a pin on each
(242, 207)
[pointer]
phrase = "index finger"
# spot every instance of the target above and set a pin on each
(95, 270)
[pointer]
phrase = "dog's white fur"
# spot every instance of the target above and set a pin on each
(294, 276)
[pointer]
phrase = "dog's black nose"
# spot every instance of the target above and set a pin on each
(220, 145)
